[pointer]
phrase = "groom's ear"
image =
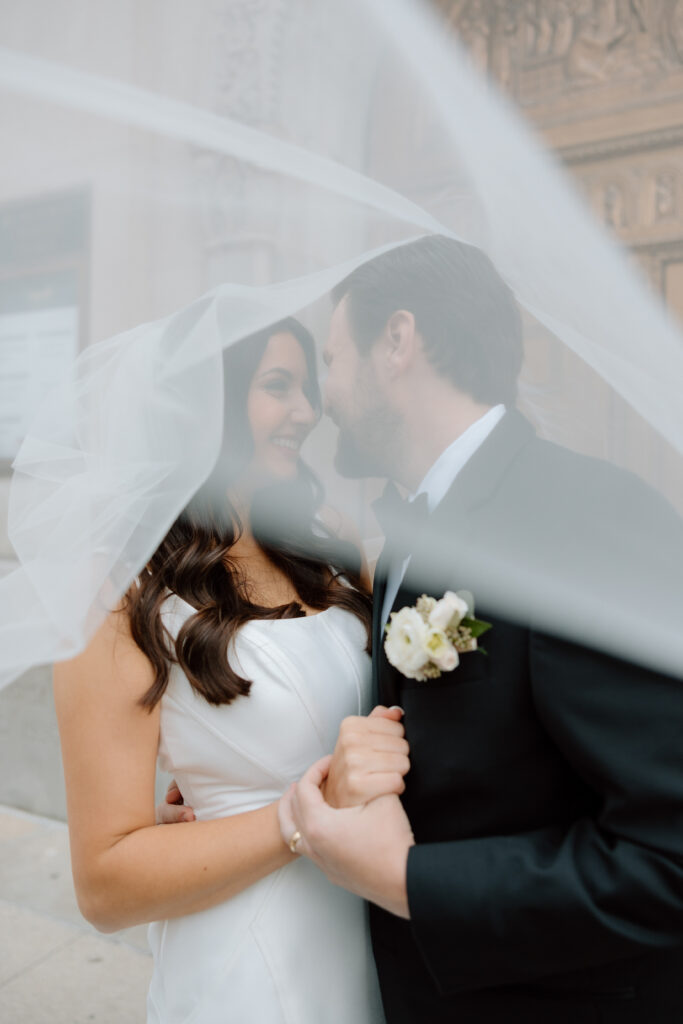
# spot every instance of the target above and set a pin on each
(400, 342)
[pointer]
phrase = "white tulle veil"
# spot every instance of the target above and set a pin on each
(236, 159)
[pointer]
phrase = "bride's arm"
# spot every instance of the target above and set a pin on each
(128, 870)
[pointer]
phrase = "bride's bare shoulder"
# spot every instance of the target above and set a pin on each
(110, 659)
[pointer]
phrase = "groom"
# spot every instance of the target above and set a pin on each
(533, 869)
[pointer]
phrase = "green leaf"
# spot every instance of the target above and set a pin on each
(477, 626)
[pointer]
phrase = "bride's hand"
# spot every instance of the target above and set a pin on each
(369, 760)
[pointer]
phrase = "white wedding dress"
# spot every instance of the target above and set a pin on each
(293, 948)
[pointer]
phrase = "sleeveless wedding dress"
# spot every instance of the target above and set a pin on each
(293, 948)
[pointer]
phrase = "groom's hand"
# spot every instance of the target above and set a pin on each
(174, 808)
(369, 760)
(363, 849)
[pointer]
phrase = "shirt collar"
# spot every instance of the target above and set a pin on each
(443, 472)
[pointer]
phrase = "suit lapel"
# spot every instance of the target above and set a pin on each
(378, 592)
(481, 475)
(474, 485)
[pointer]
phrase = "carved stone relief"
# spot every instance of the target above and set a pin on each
(665, 195)
(614, 205)
(247, 45)
(242, 44)
(638, 196)
(532, 47)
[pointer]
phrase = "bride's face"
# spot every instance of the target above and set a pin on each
(279, 409)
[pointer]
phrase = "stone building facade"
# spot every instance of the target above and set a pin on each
(603, 82)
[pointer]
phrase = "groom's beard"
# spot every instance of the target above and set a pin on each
(351, 460)
(367, 448)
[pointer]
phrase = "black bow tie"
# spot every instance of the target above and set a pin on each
(402, 520)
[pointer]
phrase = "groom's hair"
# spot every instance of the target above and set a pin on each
(464, 311)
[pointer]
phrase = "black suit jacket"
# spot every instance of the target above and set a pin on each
(546, 782)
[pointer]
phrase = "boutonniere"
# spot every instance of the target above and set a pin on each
(426, 639)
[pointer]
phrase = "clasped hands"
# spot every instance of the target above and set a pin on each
(347, 811)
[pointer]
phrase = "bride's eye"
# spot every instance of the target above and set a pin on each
(276, 386)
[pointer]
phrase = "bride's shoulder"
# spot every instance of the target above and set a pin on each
(110, 663)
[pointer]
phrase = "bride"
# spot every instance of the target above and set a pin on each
(234, 658)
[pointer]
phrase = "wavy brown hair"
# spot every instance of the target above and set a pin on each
(193, 560)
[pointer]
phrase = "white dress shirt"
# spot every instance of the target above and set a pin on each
(437, 482)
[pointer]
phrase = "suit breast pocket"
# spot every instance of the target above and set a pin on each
(472, 668)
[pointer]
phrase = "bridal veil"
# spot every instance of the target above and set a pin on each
(188, 174)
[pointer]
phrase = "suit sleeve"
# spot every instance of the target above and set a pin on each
(515, 908)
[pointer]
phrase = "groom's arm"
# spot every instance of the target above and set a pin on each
(511, 909)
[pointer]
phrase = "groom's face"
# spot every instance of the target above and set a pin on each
(356, 401)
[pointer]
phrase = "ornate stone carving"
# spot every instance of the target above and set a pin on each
(639, 199)
(665, 195)
(532, 46)
(246, 45)
(613, 206)
(242, 45)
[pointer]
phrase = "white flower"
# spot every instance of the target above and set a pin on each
(428, 639)
(405, 642)
(448, 612)
(440, 650)
(425, 605)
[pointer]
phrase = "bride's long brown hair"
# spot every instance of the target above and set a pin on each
(193, 560)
